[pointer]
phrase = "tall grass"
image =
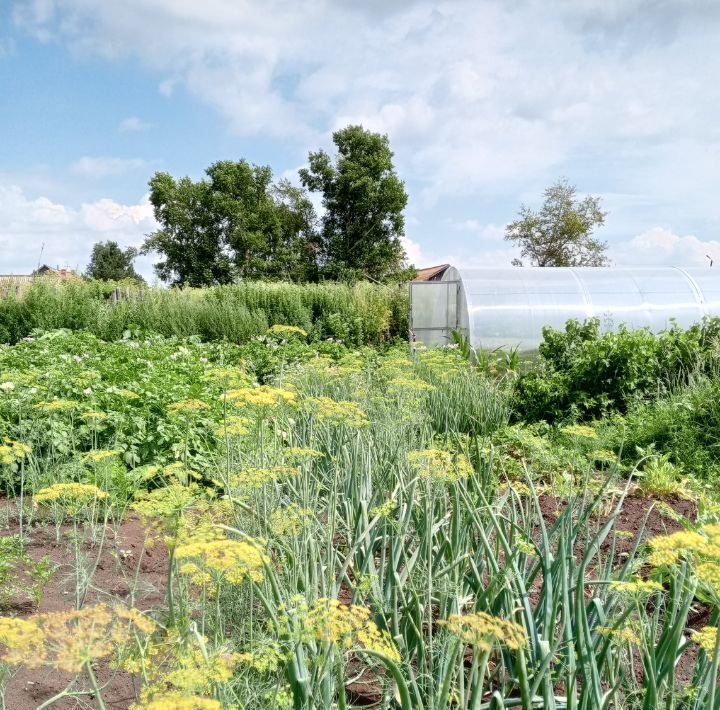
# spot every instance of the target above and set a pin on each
(359, 314)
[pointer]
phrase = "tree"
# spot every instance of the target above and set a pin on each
(364, 201)
(233, 224)
(560, 234)
(108, 262)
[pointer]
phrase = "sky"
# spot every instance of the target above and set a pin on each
(486, 103)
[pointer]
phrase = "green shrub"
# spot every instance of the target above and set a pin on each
(582, 373)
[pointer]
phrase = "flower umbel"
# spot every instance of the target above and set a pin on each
(233, 560)
(482, 630)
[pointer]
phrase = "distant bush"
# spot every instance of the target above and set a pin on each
(581, 373)
(360, 314)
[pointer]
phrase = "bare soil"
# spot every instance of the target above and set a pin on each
(125, 570)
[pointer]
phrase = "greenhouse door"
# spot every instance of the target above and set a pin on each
(433, 311)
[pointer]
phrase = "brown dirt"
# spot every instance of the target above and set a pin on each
(629, 520)
(126, 572)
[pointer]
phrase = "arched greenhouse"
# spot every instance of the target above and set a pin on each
(509, 307)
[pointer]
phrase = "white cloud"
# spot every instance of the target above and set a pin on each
(660, 246)
(482, 232)
(101, 166)
(67, 233)
(475, 95)
(133, 124)
(413, 252)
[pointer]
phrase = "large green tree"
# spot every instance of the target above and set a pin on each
(233, 224)
(561, 232)
(364, 201)
(108, 262)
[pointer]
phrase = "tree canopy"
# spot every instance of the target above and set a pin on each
(561, 232)
(364, 199)
(233, 224)
(108, 262)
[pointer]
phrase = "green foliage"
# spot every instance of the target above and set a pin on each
(364, 201)
(582, 372)
(311, 544)
(560, 234)
(108, 262)
(359, 314)
(685, 424)
(234, 224)
(659, 477)
(21, 578)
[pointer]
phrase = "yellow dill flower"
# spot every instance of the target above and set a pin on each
(290, 520)
(57, 405)
(178, 471)
(438, 465)
(13, 451)
(706, 638)
(483, 630)
(128, 394)
(667, 549)
(24, 642)
(71, 497)
(258, 477)
(525, 546)
(99, 455)
(148, 471)
(175, 700)
(94, 416)
(265, 658)
(284, 330)
(605, 456)
(262, 396)
(69, 640)
(709, 574)
(204, 521)
(19, 377)
(712, 532)
(232, 426)
(522, 489)
(298, 453)
(384, 510)
(348, 626)
(166, 503)
(196, 671)
(227, 376)
(186, 406)
(406, 384)
(336, 412)
(234, 560)
(623, 634)
(178, 669)
(580, 430)
(636, 587)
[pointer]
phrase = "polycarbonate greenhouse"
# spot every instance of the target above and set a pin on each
(508, 307)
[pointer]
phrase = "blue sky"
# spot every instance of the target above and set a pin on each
(485, 103)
